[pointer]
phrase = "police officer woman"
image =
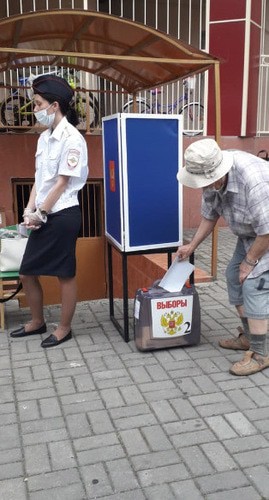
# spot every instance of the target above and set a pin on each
(53, 212)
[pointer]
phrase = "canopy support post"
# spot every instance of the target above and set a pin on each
(214, 250)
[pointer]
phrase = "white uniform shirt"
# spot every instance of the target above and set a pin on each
(62, 152)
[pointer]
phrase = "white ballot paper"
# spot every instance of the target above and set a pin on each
(176, 275)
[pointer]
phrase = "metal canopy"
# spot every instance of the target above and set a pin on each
(128, 53)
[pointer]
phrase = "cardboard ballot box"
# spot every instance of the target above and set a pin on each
(165, 319)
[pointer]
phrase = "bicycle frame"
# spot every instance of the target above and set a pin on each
(192, 112)
(153, 105)
(23, 109)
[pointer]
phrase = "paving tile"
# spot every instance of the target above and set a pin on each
(92, 442)
(196, 461)
(223, 481)
(37, 459)
(248, 493)
(186, 490)
(247, 443)
(160, 492)
(61, 455)
(121, 475)
(101, 454)
(9, 437)
(156, 438)
(252, 458)
(164, 411)
(218, 456)
(61, 493)
(240, 424)
(134, 442)
(96, 480)
(131, 395)
(258, 475)
(50, 480)
(191, 438)
(162, 475)
(112, 398)
(221, 427)
(13, 488)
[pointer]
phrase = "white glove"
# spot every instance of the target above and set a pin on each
(26, 216)
(27, 211)
(34, 218)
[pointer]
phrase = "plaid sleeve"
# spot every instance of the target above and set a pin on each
(208, 209)
(258, 206)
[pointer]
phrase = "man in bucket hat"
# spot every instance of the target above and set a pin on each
(236, 186)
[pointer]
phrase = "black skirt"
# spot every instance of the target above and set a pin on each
(51, 250)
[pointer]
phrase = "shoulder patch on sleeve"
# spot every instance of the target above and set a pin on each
(73, 157)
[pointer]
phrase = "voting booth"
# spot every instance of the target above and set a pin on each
(143, 199)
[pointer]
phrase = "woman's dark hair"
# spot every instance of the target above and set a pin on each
(67, 109)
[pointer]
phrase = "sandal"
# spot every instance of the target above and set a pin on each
(241, 343)
(251, 363)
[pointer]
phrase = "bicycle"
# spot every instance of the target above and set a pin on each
(82, 103)
(17, 112)
(192, 112)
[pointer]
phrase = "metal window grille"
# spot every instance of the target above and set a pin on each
(90, 200)
(185, 19)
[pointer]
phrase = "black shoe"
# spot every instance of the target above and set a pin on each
(52, 340)
(20, 332)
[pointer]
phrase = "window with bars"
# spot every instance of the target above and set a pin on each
(90, 200)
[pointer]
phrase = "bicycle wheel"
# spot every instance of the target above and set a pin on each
(81, 108)
(17, 114)
(141, 107)
(3, 95)
(193, 119)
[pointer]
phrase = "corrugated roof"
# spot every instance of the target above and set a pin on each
(128, 53)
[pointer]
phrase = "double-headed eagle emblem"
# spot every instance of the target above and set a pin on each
(171, 322)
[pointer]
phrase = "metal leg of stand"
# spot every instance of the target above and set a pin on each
(110, 279)
(169, 259)
(125, 297)
(192, 274)
(124, 332)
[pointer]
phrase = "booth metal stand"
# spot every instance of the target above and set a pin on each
(124, 331)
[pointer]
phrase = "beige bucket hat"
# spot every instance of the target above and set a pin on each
(205, 163)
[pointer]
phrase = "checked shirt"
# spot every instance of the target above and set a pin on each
(244, 204)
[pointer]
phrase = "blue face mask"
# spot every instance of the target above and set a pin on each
(43, 118)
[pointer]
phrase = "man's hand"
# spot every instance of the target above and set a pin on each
(244, 270)
(184, 251)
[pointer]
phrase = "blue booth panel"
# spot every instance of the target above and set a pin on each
(143, 199)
